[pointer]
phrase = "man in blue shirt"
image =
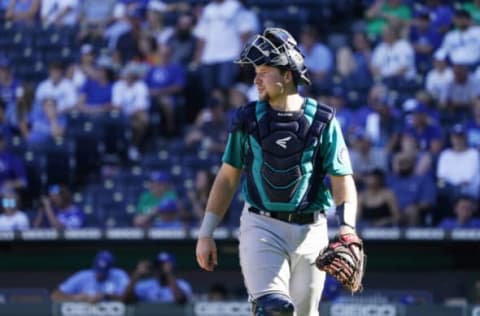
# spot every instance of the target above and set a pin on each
(100, 283)
(157, 282)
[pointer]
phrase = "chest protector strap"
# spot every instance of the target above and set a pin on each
(283, 166)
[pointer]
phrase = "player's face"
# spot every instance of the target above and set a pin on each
(268, 80)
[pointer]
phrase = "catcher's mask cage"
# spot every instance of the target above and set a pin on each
(276, 48)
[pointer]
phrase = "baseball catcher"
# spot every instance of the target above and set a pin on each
(345, 260)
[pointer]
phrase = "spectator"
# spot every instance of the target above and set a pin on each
(96, 14)
(409, 144)
(440, 12)
(166, 82)
(210, 130)
(379, 119)
(220, 35)
(182, 41)
(17, 115)
(5, 127)
(393, 59)
(338, 100)
(58, 210)
(472, 126)
(127, 45)
(59, 12)
(10, 87)
(415, 194)
(318, 58)
(465, 208)
(58, 88)
(12, 169)
(462, 90)
(12, 217)
(169, 214)
(381, 12)
(377, 203)
(420, 125)
(458, 168)
(46, 125)
(102, 282)
(425, 40)
(130, 96)
(439, 78)
(96, 94)
(78, 73)
(198, 195)
(465, 37)
(353, 63)
(23, 11)
(156, 282)
(156, 27)
(364, 157)
(159, 189)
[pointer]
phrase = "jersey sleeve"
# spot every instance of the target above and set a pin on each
(73, 284)
(334, 151)
(234, 150)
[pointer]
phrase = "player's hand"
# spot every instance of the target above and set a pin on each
(206, 253)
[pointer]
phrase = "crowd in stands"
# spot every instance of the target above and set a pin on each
(114, 113)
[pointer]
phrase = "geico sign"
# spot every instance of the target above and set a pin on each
(99, 309)
(222, 309)
(476, 311)
(363, 310)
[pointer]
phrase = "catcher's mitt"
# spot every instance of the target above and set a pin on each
(345, 260)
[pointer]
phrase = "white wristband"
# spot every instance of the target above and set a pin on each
(209, 223)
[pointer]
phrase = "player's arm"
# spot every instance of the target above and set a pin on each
(345, 195)
(221, 194)
(337, 165)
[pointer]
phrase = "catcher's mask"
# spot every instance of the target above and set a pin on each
(276, 48)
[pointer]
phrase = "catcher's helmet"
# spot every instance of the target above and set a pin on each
(275, 47)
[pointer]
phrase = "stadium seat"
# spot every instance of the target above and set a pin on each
(60, 161)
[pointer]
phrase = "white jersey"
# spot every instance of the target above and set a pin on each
(389, 59)
(16, 221)
(64, 93)
(437, 82)
(468, 41)
(130, 98)
(219, 27)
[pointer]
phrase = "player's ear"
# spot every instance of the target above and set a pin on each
(288, 76)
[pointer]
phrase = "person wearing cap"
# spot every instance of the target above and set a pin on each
(12, 217)
(155, 282)
(102, 282)
(425, 40)
(159, 189)
(458, 167)
(282, 146)
(165, 215)
(58, 210)
(419, 123)
(439, 77)
(464, 215)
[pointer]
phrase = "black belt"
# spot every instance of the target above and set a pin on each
(289, 217)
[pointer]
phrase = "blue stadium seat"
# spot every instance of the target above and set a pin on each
(60, 161)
